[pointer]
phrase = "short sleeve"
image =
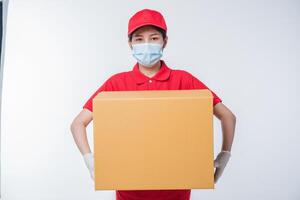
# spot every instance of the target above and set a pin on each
(197, 84)
(106, 86)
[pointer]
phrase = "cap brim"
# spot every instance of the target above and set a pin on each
(145, 24)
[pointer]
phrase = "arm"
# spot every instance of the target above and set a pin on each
(228, 121)
(78, 129)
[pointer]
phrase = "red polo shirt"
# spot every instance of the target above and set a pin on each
(165, 79)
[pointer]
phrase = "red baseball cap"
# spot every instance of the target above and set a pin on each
(146, 17)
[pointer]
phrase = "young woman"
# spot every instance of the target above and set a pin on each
(147, 37)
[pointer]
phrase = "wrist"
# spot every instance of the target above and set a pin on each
(89, 160)
(225, 151)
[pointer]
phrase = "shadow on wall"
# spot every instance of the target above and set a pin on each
(3, 17)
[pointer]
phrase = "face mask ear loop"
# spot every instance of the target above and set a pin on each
(163, 47)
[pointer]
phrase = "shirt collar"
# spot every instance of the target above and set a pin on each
(162, 74)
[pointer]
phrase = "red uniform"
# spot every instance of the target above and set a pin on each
(165, 79)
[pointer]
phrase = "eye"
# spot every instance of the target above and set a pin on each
(155, 38)
(138, 39)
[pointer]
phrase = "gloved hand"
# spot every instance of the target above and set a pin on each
(89, 162)
(220, 163)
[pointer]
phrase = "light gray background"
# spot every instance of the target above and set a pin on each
(59, 52)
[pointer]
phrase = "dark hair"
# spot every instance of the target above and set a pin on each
(162, 31)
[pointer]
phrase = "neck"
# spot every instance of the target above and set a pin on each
(150, 71)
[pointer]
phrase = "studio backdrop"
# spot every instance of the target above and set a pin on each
(58, 52)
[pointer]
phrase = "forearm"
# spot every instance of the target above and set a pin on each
(80, 137)
(228, 128)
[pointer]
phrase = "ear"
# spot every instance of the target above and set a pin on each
(165, 42)
(130, 45)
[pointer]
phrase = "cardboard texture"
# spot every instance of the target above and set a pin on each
(153, 139)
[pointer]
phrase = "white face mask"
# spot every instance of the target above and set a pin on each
(147, 54)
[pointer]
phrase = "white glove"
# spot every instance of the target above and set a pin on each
(220, 163)
(89, 162)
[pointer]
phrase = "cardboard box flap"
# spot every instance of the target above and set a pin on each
(197, 93)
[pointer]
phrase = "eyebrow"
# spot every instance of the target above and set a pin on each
(137, 35)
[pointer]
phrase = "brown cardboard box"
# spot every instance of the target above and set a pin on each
(153, 139)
